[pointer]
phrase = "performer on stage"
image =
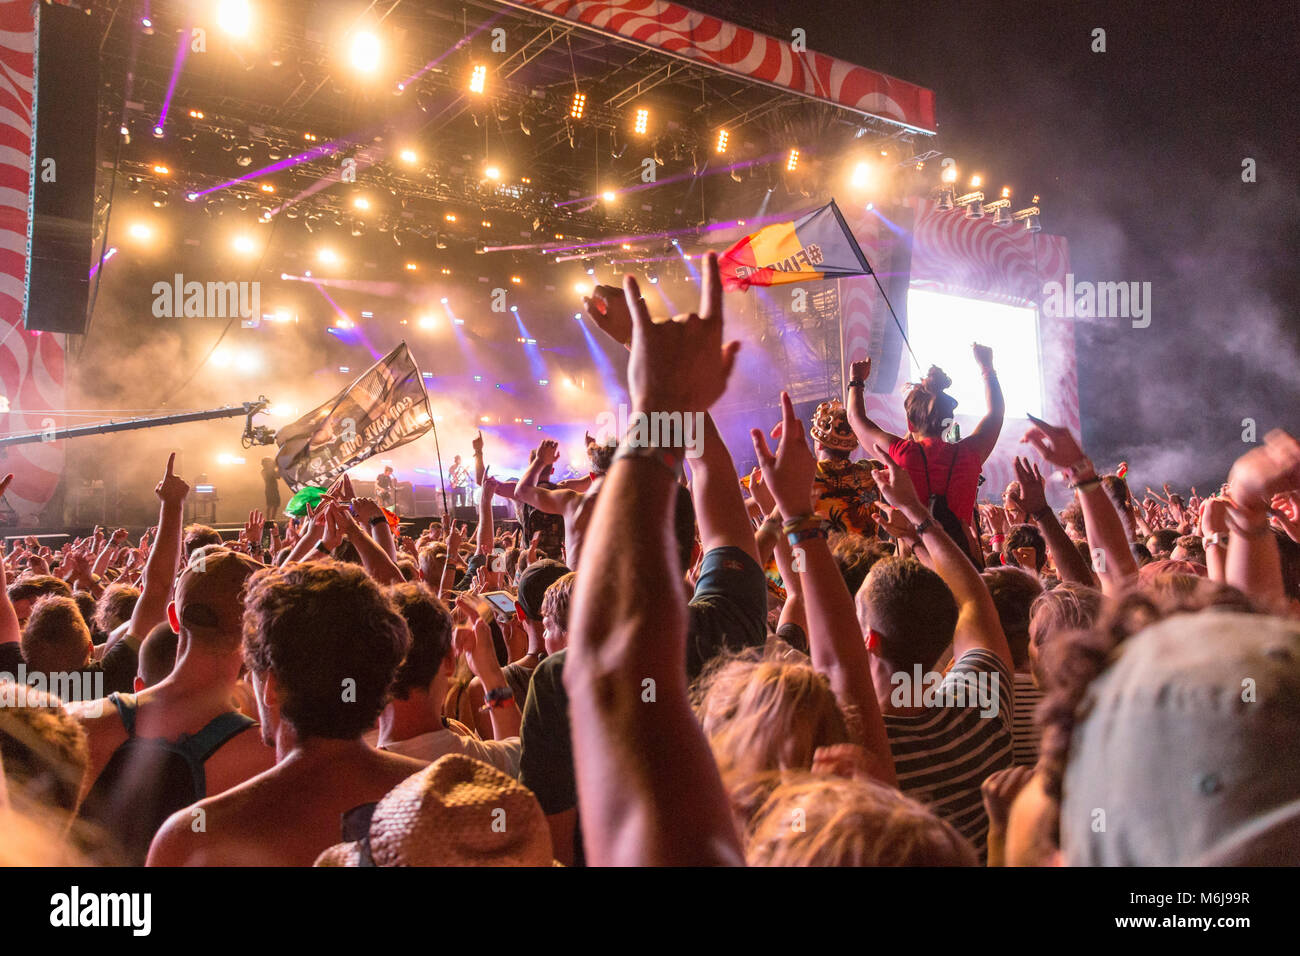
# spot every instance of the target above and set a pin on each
(271, 479)
(458, 484)
(386, 489)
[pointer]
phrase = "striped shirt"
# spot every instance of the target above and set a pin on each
(943, 755)
(1024, 735)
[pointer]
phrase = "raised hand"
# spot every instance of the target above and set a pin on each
(253, 528)
(983, 356)
(477, 443)
(895, 484)
(860, 370)
(1031, 498)
(172, 489)
(548, 451)
(1055, 444)
(607, 307)
(679, 365)
(788, 473)
(1264, 471)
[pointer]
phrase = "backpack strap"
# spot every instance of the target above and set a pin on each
(125, 704)
(952, 463)
(198, 747)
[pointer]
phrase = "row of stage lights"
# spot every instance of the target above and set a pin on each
(977, 206)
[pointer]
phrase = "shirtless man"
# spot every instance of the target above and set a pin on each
(322, 644)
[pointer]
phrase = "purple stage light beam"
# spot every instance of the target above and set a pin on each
(181, 52)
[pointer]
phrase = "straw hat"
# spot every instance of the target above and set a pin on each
(830, 426)
(458, 811)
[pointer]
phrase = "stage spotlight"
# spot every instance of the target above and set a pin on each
(327, 257)
(221, 358)
(480, 248)
(861, 176)
(140, 232)
(439, 240)
(609, 195)
(975, 209)
(244, 244)
(516, 280)
(408, 156)
(944, 201)
(492, 172)
(243, 156)
(158, 132)
(590, 266)
(161, 170)
(514, 308)
(949, 174)
(426, 321)
(159, 198)
(365, 52)
(450, 217)
(267, 188)
(652, 276)
(579, 104)
(1002, 216)
(234, 16)
(1032, 224)
(792, 163)
(478, 79)
(582, 288)
(411, 267)
(721, 146)
(642, 122)
(361, 202)
(975, 182)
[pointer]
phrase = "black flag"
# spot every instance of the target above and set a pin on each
(383, 409)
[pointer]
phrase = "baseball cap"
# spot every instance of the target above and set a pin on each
(1185, 748)
(209, 590)
(537, 577)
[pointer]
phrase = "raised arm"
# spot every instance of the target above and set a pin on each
(648, 785)
(1106, 535)
(977, 619)
(1254, 563)
(834, 635)
(868, 432)
(985, 435)
(160, 571)
(483, 535)
(1031, 498)
(543, 499)
(339, 524)
(719, 505)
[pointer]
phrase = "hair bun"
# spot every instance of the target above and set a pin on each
(936, 380)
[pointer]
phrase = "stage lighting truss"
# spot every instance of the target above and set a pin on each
(973, 203)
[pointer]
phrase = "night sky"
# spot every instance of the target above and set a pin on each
(1137, 154)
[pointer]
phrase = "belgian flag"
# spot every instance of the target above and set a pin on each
(817, 246)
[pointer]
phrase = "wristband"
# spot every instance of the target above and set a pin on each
(857, 383)
(1218, 539)
(925, 526)
(802, 522)
(670, 458)
(320, 546)
(1084, 464)
(1086, 484)
(378, 520)
(797, 537)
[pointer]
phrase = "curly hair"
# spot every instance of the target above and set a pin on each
(1014, 591)
(856, 555)
(332, 640)
(849, 822)
(1083, 656)
(429, 623)
(115, 606)
(43, 750)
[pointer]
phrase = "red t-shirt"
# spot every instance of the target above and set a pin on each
(961, 489)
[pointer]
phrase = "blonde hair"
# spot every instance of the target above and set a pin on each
(816, 820)
(762, 713)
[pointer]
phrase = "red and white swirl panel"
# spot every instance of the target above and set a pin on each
(691, 35)
(31, 364)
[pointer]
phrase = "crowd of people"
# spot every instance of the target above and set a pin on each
(841, 658)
